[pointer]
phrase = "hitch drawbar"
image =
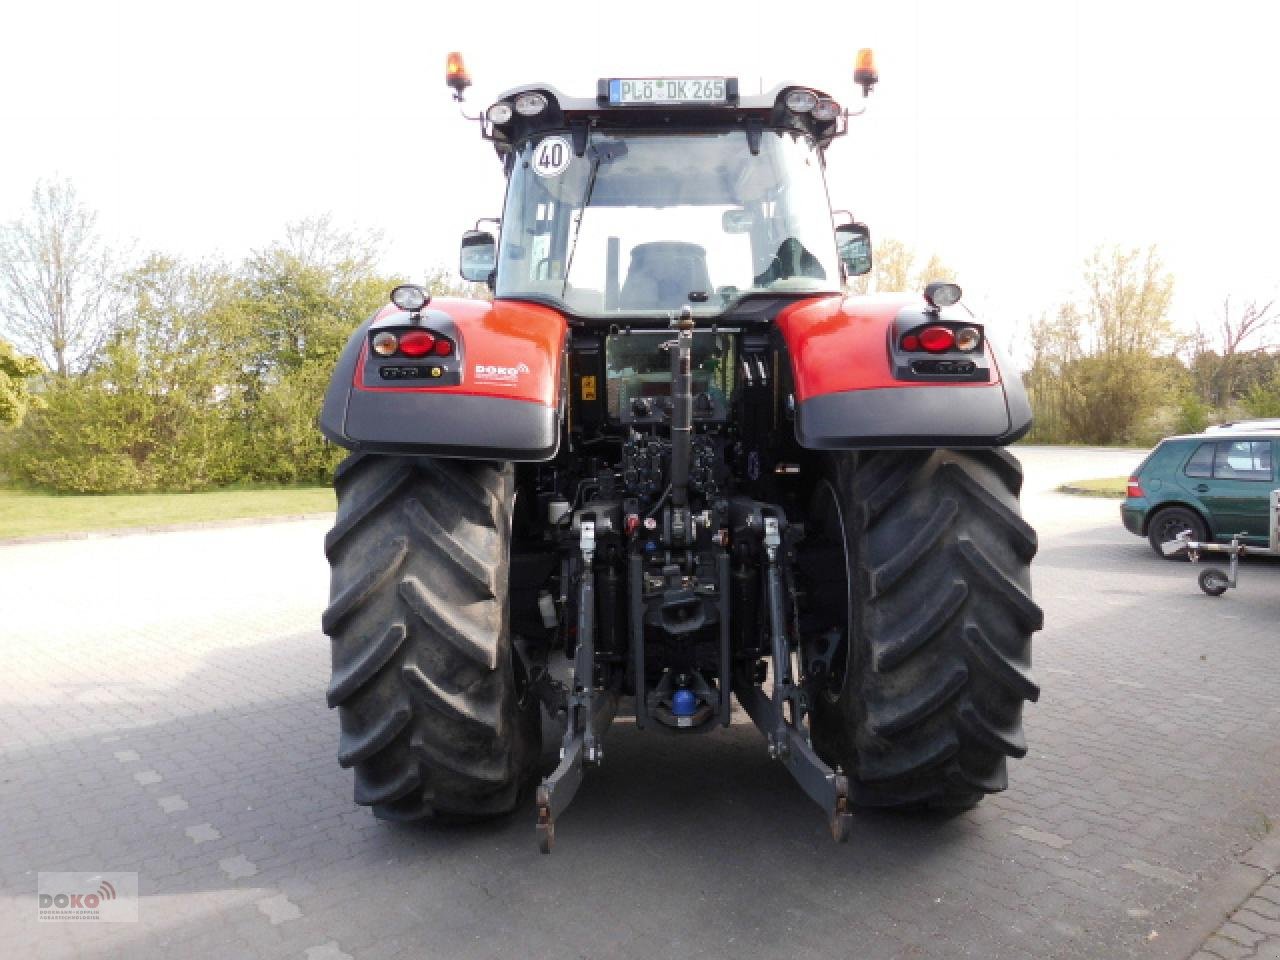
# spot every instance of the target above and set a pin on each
(780, 717)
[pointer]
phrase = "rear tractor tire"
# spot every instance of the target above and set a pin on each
(931, 624)
(430, 697)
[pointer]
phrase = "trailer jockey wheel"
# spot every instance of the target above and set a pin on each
(1214, 582)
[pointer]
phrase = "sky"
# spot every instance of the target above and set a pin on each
(1010, 138)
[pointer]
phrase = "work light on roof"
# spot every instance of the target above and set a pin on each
(801, 101)
(826, 110)
(499, 113)
(530, 104)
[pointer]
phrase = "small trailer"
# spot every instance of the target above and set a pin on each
(1214, 580)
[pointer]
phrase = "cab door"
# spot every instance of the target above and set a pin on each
(1237, 493)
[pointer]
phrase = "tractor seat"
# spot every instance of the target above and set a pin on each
(662, 275)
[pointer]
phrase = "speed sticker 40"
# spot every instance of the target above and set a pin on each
(552, 156)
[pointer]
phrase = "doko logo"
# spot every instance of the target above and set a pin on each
(104, 897)
(494, 373)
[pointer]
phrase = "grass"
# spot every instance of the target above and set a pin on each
(29, 514)
(1115, 487)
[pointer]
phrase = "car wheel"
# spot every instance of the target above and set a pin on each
(1168, 523)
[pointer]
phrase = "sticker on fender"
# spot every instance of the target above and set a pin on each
(552, 156)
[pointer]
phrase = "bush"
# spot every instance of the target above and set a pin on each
(1193, 415)
(1264, 400)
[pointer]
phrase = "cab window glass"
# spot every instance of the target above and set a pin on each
(1242, 460)
(1201, 462)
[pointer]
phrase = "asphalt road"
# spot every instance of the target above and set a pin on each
(162, 711)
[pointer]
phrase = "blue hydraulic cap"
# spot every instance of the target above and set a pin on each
(684, 703)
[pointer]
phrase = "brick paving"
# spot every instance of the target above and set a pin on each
(162, 711)
(1252, 930)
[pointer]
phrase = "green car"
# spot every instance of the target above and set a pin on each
(1216, 484)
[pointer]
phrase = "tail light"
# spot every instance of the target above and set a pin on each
(937, 339)
(417, 343)
(385, 344)
(414, 343)
(1134, 488)
(942, 338)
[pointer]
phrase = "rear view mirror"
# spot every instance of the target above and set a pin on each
(736, 221)
(479, 256)
(853, 240)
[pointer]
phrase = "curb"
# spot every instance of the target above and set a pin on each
(1217, 903)
(161, 528)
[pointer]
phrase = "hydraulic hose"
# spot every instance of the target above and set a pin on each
(682, 408)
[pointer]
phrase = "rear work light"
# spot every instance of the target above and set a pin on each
(826, 110)
(1134, 489)
(530, 104)
(801, 101)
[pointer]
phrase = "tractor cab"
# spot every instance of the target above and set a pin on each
(662, 193)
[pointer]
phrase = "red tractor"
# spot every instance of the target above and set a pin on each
(673, 462)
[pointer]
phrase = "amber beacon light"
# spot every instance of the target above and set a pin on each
(455, 74)
(864, 71)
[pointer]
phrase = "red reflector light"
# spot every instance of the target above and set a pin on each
(1135, 488)
(416, 343)
(910, 342)
(443, 348)
(937, 339)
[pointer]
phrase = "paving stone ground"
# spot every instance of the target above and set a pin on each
(1252, 930)
(162, 711)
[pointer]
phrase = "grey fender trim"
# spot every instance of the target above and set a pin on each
(914, 416)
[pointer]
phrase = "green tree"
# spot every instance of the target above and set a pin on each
(441, 282)
(1099, 370)
(299, 302)
(893, 269)
(1193, 414)
(56, 287)
(15, 371)
(152, 411)
(1263, 400)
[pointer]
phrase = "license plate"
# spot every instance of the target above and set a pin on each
(666, 90)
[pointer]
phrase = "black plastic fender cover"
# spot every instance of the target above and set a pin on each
(914, 416)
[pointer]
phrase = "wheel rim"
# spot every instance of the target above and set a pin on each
(1173, 524)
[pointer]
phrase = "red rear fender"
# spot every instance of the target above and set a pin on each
(852, 391)
(495, 394)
